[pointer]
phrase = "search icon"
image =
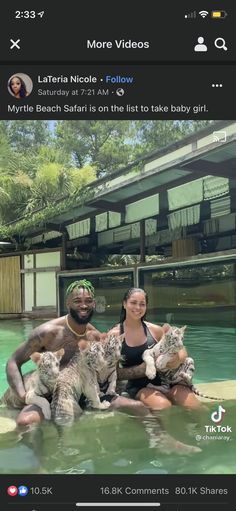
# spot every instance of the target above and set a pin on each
(220, 44)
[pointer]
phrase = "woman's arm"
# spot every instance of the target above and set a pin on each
(177, 359)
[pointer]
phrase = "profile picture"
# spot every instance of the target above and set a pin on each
(20, 85)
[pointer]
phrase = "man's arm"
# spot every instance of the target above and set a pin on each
(131, 373)
(19, 357)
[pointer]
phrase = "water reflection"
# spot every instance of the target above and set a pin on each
(119, 443)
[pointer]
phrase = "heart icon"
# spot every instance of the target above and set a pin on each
(12, 491)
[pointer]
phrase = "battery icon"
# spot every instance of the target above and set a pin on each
(218, 15)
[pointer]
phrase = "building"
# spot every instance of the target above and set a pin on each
(177, 204)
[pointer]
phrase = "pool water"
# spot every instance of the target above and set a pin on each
(112, 442)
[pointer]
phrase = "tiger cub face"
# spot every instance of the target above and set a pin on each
(92, 354)
(48, 362)
(173, 339)
(112, 349)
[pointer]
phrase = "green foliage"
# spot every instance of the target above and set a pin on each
(53, 181)
(27, 135)
(15, 195)
(5, 149)
(103, 144)
(116, 260)
(49, 184)
(154, 135)
(81, 177)
(38, 219)
(49, 164)
(34, 175)
(52, 154)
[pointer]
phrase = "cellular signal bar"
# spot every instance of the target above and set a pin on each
(118, 504)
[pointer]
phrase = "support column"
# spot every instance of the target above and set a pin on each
(64, 250)
(142, 241)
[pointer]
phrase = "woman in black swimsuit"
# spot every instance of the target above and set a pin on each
(140, 335)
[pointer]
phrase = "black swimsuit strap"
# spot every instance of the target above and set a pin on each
(145, 328)
(121, 329)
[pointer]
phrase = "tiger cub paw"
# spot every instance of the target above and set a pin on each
(150, 373)
(104, 405)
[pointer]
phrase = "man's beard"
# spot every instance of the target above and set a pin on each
(81, 321)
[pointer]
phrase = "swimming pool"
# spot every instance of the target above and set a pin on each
(119, 443)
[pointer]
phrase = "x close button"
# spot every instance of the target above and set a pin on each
(14, 44)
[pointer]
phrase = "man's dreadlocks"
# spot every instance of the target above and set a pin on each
(85, 284)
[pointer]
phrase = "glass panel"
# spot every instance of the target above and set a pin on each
(101, 222)
(193, 294)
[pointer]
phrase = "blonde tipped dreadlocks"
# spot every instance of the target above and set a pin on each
(85, 284)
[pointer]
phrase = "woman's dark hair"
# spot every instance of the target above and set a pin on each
(23, 90)
(127, 295)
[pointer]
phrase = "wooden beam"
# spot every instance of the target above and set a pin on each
(40, 270)
(226, 169)
(108, 206)
(61, 228)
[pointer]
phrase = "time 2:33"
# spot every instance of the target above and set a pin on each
(29, 14)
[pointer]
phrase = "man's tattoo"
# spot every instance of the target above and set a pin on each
(34, 344)
(131, 373)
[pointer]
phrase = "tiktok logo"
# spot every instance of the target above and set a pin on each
(217, 416)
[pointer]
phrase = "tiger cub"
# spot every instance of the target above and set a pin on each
(38, 383)
(158, 357)
(79, 378)
(107, 377)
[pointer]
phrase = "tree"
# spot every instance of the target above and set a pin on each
(16, 191)
(153, 135)
(27, 135)
(36, 177)
(104, 144)
(53, 182)
(5, 148)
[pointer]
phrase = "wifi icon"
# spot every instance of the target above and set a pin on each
(203, 14)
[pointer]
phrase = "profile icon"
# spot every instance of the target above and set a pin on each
(201, 46)
(20, 85)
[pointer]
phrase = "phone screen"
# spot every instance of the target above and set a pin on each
(117, 255)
